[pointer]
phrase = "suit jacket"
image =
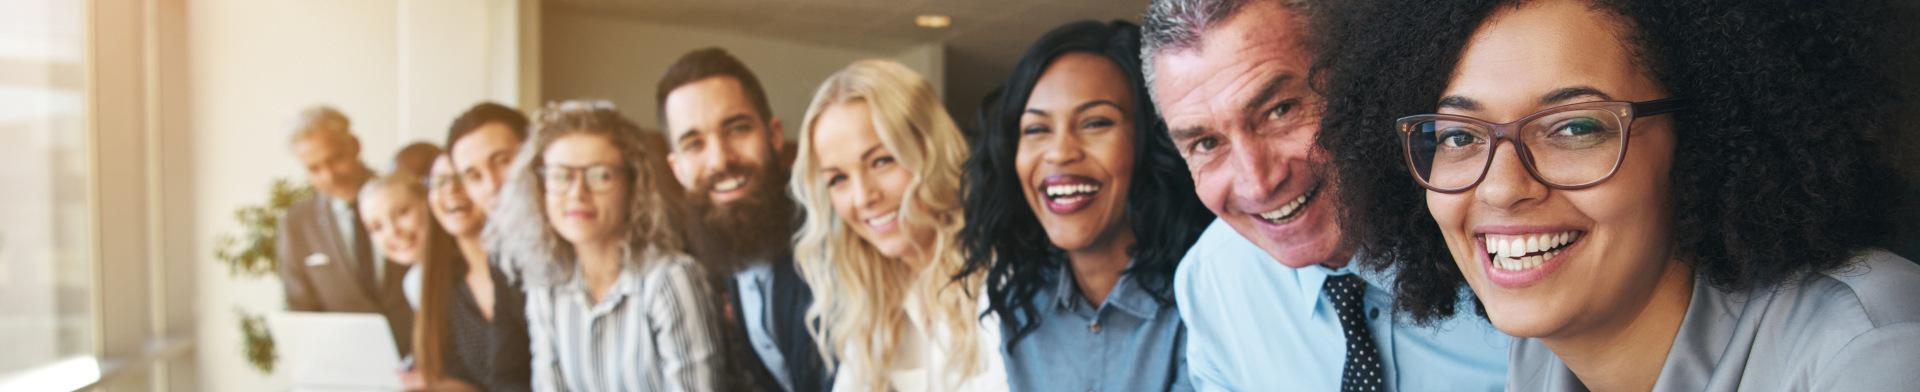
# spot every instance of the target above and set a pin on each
(790, 298)
(322, 275)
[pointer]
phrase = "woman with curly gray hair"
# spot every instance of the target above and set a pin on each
(613, 302)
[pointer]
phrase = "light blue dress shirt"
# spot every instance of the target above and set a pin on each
(1128, 343)
(756, 283)
(1256, 325)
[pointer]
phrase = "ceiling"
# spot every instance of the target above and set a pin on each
(986, 38)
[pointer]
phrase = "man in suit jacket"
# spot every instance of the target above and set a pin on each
(725, 149)
(327, 262)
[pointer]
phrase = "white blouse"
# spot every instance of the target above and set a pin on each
(920, 359)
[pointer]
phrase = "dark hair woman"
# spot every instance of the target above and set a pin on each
(470, 327)
(1079, 209)
(1650, 195)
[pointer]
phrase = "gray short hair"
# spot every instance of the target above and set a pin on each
(1175, 25)
(320, 118)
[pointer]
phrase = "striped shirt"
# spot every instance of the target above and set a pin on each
(653, 331)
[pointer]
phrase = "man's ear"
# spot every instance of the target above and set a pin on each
(779, 132)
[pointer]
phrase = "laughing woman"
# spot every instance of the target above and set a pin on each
(878, 174)
(1079, 211)
(613, 304)
(1649, 195)
(470, 322)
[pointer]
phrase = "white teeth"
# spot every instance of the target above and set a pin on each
(728, 184)
(882, 220)
(1512, 253)
(1062, 190)
(1285, 213)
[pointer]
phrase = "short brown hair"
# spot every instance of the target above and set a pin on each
(707, 63)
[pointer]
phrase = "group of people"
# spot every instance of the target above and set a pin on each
(1359, 195)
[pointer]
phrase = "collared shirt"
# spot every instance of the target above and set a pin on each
(345, 219)
(650, 332)
(756, 288)
(1255, 324)
(1128, 343)
(1856, 328)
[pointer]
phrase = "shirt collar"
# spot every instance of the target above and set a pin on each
(1313, 278)
(1127, 295)
(622, 286)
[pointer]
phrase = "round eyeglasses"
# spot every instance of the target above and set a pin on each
(598, 178)
(1567, 147)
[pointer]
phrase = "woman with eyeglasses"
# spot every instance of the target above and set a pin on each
(470, 326)
(613, 302)
(878, 174)
(1648, 195)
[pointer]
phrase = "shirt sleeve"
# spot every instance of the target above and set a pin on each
(1874, 361)
(546, 368)
(1203, 369)
(684, 330)
(1181, 382)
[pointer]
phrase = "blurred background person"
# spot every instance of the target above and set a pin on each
(879, 169)
(471, 331)
(1648, 195)
(1079, 212)
(725, 151)
(613, 302)
(327, 262)
(414, 159)
(482, 144)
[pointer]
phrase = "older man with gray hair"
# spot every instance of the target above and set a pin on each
(1269, 293)
(327, 262)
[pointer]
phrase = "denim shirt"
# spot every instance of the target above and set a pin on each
(1129, 343)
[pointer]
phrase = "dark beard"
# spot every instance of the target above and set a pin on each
(758, 227)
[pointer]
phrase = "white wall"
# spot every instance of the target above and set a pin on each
(401, 70)
(587, 55)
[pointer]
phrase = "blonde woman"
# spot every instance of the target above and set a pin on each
(613, 304)
(879, 176)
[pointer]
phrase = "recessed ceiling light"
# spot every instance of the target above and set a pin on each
(933, 21)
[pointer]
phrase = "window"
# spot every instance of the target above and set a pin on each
(45, 236)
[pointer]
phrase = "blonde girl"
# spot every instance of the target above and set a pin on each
(878, 174)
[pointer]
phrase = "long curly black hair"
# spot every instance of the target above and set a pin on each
(1785, 165)
(1002, 234)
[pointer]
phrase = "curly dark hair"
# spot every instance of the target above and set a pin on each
(1002, 235)
(1782, 166)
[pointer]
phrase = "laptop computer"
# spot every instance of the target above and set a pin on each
(336, 351)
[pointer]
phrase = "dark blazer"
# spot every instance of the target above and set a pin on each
(322, 275)
(791, 297)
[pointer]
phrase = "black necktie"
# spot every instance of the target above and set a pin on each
(1362, 372)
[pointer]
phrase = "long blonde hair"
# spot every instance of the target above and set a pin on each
(858, 293)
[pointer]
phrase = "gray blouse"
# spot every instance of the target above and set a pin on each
(1856, 328)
